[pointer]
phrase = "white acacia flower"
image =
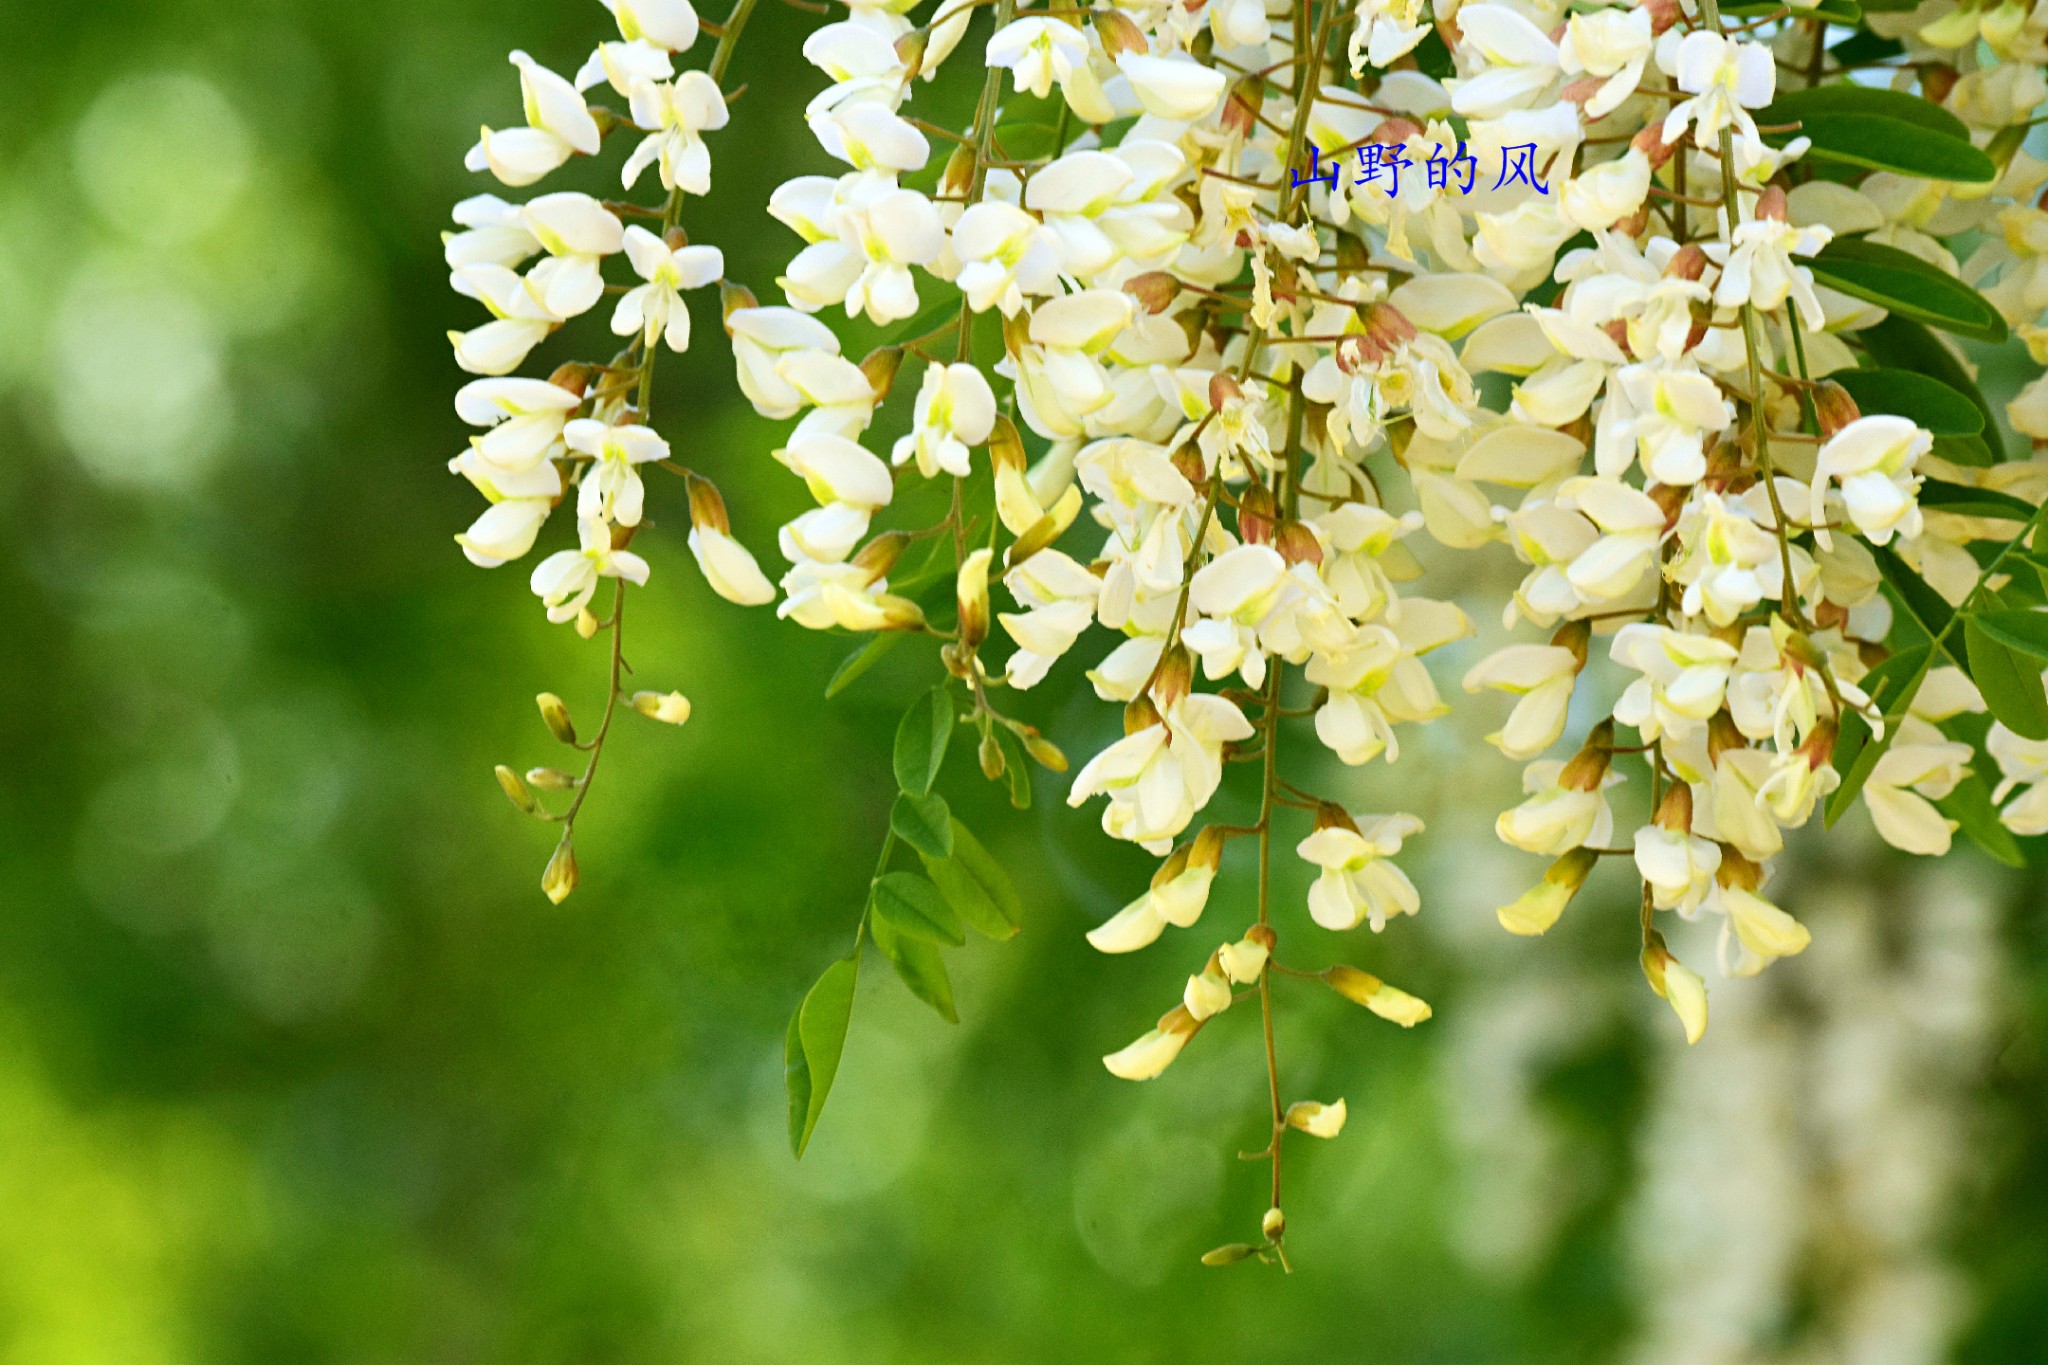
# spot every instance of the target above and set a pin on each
(1511, 62)
(1633, 527)
(676, 115)
(1873, 459)
(1159, 777)
(1678, 866)
(559, 126)
(625, 67)
(507, 529)
(956, 411)
(1913, 774)
(1383, 32)
(1759, 269)
(1317, 1120)
(1611, 45)
(1684, 679)
(565, 580)
(1557, 818)
(1543, 676)
(879, 232)
(760, 338)
(525, 418)
(2022, 763)
(838, 470)
(670, 25)
(1004, 255)
(1059, 598)
(520, 321)
(495, 233)
(1358, 884)
(1726, 78)
(577, 232)
(655, 308)
(1177, 88)
(1155, 1050)
(1178, 900)
(1660, 415)
(611, 489)
(1038, 52)
(1756, 933)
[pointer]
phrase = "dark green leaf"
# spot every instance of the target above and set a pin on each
(912, 906)
(1016, 766)
(1906, 285)
(924, 823)
(1891, 685)
(812, 1047)
(1969, 805)
(862, 659)
(921, 740)
(980, 864)
(1965, 501)
(1863, 46)
(1888, 130)
(2025, 631)
(1901, 344)
(921, 967)
(2010, 682)
(1929, 402)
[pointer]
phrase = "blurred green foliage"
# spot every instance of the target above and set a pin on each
(297, 1065)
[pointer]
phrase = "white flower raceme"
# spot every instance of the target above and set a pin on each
(525, 418)
(1872, 459)
(1358, 884)
(1759, 269)
(877, 232)
(1566, 808)
(558, 126)
(1159, 776)
(520, 321)
(565, 580)
(956, 410)
(1004, 255)
(1059, 597)
(760, 338)
(1038, 53)
(1684, 678)
(1610, 45)
(656, 308)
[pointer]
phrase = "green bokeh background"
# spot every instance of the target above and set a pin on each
(297, 1065)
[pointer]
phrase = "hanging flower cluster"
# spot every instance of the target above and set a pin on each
(1226, 317)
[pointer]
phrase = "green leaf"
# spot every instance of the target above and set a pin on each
(976, 902)
(1901, 344)
(1016, 766)
(924, 823)
(992, 881)
(1937, 496)
(2009, 680)
(1886, 130)
(1906, 285)
(1929, 402)
(912, 906)
(921, 741)
(863, 659)
(1891, 685)
(921, 967)
(1863, 46)
(2024, 631)
(1969, 805)
(1928, 608)
(812, 1047)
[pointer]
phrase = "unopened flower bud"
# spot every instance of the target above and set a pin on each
(1689, 262)
(707, 506)
(1175, 678)
(1241, 110)
(1154, 290)
(1047, 753)
(1208, 992)
(899, 613)
(1650, 142)
(1005, 446)
(991, 756)
(910, 51)
(1388, 326)
(555, 714)
(1187, 458)
(1297, 544)
(675, 239)
(880, 366)
(876, 558)
(551, 779)
(1539, 907)
(1118, 33)
(958, 176)
(1674, 812)
(560, 877)
(515, 790)
(1576, 636)
(1245, 960)
(1223, 388)
(1834, 407)
(731, 298)
(1273, 1224)
(1587, 769)
(573, 377)
(1230, 1253)
(1663, 14)
(970, 587)
(1772, 204)
(1679, 984)
(671, 708)
(587, 623)
(1257, 516)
